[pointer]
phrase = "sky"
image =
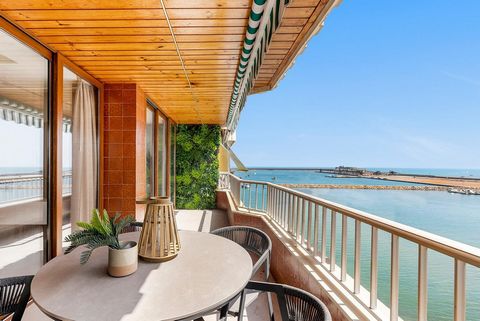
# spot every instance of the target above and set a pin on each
(22, 146)
(384, 84)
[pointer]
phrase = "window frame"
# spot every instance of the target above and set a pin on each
(167, 121)
(53, 134)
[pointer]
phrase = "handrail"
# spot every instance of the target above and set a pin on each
(17, 187)
(292, 210)
(465, 252)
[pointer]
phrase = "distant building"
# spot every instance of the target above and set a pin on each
(344, 170)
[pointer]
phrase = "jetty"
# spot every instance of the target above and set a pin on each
(373, 187)
(445, 181)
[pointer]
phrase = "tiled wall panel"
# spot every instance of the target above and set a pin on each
(124, 148)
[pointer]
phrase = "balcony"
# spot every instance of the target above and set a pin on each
(146, 70)
(304, 231)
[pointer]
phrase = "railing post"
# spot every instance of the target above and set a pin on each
(256, 196)
(315, 231)
(290, 214)
(279, 207)
(267, 200)
(373, 268)
(394, 279)
(356, 273)
(333, 237)
(295, 215)
(324, 235)
(264, 203)
(344, 249)
(275, 196)
(299, 218)
(309, 227)
(422, 283)
(459, 290)
(249, 196)
(241, 194)
(302, 227)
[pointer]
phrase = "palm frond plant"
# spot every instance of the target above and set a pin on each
(100, 231)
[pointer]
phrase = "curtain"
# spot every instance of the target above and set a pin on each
(84, 154)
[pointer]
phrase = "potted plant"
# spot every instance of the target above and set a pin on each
(104, 231)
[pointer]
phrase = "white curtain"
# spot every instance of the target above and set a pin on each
(84, 152)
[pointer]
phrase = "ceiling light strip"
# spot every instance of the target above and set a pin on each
(181, 61)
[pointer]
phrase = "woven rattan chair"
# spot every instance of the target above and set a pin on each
(254, 241)
(295, 304)
(14, 296)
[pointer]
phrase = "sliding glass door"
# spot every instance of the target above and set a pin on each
(24, 83)
(156, 152)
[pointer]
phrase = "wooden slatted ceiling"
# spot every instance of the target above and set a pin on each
(129, 41)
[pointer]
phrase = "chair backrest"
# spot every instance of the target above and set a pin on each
(302, 305)
(133, 227)
(251, 239)
(294, 303)
(14, 295)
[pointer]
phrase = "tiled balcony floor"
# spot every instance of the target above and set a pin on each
(193, 220)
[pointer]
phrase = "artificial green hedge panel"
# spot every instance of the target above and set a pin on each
(197, 166)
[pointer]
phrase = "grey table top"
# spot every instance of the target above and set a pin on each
(208, 272)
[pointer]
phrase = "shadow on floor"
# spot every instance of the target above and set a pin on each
(201, 220)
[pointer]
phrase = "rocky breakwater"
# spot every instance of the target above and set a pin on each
(375, 187)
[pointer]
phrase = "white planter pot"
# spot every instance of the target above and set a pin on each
(124, 261)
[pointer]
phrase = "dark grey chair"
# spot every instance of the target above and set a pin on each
(295, 304)
(14, 295)
(254, 241)
(133, 227)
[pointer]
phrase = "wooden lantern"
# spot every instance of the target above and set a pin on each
(159, 240)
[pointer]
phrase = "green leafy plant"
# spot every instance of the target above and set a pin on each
(101, 231)
(197, 166)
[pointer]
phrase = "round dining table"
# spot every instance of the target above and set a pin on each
(207, 273)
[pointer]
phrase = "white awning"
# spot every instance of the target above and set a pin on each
(237, 162)
(19, 113)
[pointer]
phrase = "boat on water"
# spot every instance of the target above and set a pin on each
(464, 191)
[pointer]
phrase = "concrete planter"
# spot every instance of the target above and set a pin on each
(124, 261)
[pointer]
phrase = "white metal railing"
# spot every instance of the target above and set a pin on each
(223, 181)
(304, 217)
(20, 187)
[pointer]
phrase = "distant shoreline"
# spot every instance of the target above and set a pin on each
(374, 187)
(320, 169)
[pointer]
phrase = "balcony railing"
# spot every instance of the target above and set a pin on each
(20, 187)
(304, 217)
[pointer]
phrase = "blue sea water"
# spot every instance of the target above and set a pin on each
(20, 170)
(453, 216)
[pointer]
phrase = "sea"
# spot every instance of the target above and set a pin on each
(454, 216)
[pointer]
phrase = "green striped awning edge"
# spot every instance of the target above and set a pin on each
(256, 42)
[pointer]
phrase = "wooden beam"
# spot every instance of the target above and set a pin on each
(132, 14)
(128, 4)
(119, 23)
(138, 31)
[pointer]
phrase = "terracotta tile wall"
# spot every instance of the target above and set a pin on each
(123, 147)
